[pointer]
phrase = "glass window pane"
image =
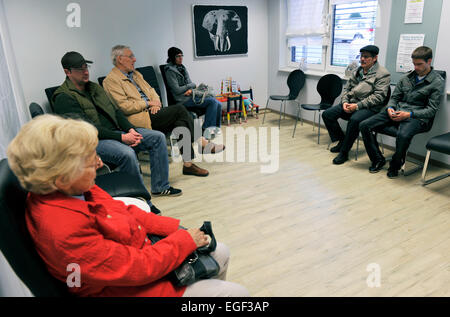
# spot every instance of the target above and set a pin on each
(353, 27)
(308, 48)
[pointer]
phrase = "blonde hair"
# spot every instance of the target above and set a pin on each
(49, 147)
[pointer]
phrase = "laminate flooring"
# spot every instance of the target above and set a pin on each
(316, 229)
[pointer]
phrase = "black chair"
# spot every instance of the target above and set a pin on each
(392, 132)
(170, 98)
(49, 92)
(100, 80)
(15, 241)
(440, 144)
(149, 75)
(35, 110)
(329, 88)
(295, 81)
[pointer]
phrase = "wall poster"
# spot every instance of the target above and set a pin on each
(220, 30)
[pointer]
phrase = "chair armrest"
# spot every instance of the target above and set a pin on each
(120, 184)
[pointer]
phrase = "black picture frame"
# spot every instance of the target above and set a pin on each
(232, 24)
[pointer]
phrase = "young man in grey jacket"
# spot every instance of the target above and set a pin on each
(412, 108)
(364, 96)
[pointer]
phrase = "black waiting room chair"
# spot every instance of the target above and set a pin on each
(35, 110)
(440, 144)
(49, 93)
(329, 88)
(149, 74)
(170, 98)
(295, 81)
(100, 80)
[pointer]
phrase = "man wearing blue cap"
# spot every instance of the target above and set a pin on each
(364, 96)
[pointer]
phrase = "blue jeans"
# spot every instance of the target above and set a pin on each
(213, 115)
(124, 156)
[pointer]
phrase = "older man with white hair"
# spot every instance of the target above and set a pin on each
(142, 106)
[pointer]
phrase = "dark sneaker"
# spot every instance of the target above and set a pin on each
(155, 210)
(340, 159)
(169, 192)
(377, 166)
(392, 173)
(337, 147)
(195, 170)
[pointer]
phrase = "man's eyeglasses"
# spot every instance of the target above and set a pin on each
(81, 69)
(179, 55)
(366, 56)
(129, 56)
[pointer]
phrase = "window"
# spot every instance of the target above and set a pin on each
(305, 30)
(353, 28)
(307, 49)
(327, 34)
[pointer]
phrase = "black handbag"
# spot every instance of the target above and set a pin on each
(198, 265)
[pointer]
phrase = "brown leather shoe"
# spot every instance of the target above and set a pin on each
(195, 170)
(212, 148)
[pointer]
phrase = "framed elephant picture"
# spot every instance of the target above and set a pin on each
(220, 30)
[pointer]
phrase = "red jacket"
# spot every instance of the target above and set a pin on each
(108, 240)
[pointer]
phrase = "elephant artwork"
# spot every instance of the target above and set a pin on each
(220, 30)
(220, 24)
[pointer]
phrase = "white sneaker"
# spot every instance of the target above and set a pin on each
(218, 131)
(209, 133)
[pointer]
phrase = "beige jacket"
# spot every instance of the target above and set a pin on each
(124, 94)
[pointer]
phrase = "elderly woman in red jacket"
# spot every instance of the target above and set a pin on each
(73, 221)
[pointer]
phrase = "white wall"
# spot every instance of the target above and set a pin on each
(40, 37)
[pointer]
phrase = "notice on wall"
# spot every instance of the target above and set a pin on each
(414, 11)
(407, 44)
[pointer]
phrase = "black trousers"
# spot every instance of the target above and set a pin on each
(330, 118)
(407, 129)
(169, 118)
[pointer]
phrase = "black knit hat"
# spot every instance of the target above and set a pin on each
(171, 53)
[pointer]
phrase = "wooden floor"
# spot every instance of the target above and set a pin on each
(313, 228)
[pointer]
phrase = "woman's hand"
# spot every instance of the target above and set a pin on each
(199, 237)
(188, 92)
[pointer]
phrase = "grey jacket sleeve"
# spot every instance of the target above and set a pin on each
(396, 96)
(172, 82)
(348, 88)
(433, 102)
